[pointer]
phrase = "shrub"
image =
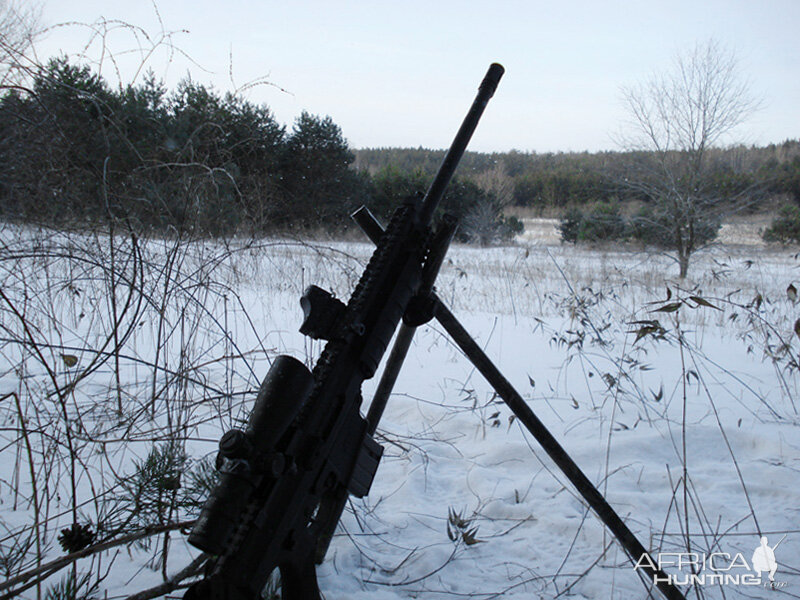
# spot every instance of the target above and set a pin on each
(786, 226)
(649, 227)
(512, 226)
(602, 223)
(658, 228)
(570, 224)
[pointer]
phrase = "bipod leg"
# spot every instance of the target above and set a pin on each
(636, 551)
(390, 372)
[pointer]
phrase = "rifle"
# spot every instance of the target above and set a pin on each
(285, 479)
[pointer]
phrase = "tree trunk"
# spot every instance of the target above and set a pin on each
(683, 263)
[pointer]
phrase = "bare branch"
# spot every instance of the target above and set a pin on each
(53, 566)
(173, 582)
(19, 27)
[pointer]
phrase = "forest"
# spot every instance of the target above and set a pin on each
(76, 152)
(557, 180)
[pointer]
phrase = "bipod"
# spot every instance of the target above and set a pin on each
(430, 306)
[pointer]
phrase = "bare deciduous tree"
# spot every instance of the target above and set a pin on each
(676, 118)
(19, 26)
(484, 223)
(497, 182)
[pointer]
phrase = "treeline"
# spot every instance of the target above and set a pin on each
(74, 151)
(562, 180)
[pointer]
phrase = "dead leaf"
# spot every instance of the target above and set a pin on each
(668, 308)
(791, 293)
(70, 360)
(703, 302)
(469, 537)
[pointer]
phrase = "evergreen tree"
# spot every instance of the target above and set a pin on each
(316, 172)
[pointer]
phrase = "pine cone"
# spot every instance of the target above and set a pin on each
(76, 537)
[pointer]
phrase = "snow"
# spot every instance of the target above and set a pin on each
(557, 320)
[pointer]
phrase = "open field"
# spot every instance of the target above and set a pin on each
(121, 364)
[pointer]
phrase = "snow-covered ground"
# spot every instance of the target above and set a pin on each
(690, 430)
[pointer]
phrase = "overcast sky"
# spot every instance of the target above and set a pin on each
(403, 73)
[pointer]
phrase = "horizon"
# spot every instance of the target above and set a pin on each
(535, 152)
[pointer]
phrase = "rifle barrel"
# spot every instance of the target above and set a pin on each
(459, 145)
